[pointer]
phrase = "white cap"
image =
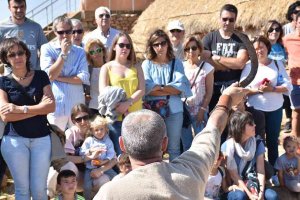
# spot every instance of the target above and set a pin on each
(176, 24)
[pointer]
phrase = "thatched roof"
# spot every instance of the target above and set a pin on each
(201, 16)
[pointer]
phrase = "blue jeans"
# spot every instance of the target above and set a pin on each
(88, 185)
(3, 165)
(240, 195)
(114, 134)
(187, 134)
(272, 127)
(174, 127)
(28, 160)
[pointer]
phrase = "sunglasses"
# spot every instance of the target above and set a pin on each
(15, 54)
(80, 31)
(194, 48)
(176, 30)
(277, 29)
(225, 19)
(79, 119)
(122, 45)
(296, 12)
(162, 44)
(106, 16)
(64, 32)
(97, 51)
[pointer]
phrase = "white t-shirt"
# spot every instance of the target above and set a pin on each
(267, 101)
(94, 91)
(194, 102)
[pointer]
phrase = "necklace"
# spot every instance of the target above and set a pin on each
(21, 78)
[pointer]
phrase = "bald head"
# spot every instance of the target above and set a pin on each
(143, 132)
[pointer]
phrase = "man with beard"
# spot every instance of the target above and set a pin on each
(30, 32)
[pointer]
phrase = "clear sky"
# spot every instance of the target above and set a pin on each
(59, 7)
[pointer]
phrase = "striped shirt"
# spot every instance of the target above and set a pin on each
(66, 95)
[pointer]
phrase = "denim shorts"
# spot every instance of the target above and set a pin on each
(295, 97)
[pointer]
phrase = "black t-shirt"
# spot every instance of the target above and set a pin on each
(33, 127)
(215, 43)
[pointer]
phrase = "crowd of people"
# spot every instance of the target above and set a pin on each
(121, 117)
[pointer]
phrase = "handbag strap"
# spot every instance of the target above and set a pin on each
(247, 166)
(198, 72)
(171, 74)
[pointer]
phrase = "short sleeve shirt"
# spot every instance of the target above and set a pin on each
(32, 127)
(215, 43)
(289, 167)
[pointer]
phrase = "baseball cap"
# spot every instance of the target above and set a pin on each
(176, 24)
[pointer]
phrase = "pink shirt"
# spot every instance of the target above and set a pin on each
(73, 135)
(291, 43)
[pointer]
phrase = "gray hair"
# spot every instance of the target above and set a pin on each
(97, 11)
(143, 132)
(75, 22)
(62, 19)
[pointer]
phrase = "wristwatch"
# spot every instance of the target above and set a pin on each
(162, 87)
(63, 56)
(217, 58)
(25, 109)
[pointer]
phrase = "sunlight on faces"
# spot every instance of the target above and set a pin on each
(81, 120)
(63, 27)
(274, 34)
(76, 37)
(249, 130)
(16, 57)
(100, 131)
(122, 52)
(160, 46)
(191, 50)
(18, 10)
(176, 36)
(103, 22)
(68, 185)
(227, 25)
(261, 49)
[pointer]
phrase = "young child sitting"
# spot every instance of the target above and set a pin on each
(67, 184)
(98, 140)
(216, 180)
(124, 165)
(287, 165)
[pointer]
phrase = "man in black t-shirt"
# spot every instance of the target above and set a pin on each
(229, 55)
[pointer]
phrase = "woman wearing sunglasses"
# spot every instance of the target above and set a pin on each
(292, 11)
(160, 85)
(273, 31)
(202, 89)
(95, 55)
(122, 71)
(25, 100)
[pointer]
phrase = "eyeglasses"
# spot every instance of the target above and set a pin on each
(64, 32)
(176, 30)
(79, 119)
(194, 48)
(122, 45)
(97, 51)
(162, 44)
(296, 12)
(225, 19)
(277, 29)
(80, 31)
(15, 54)
(106, 16)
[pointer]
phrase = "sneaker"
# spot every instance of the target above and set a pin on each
(287, 127)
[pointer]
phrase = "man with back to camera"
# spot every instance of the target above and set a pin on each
(30, 32)
(144, 139)
(104, 32)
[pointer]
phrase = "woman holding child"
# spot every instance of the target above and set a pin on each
(122, 71)
(243, 151)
